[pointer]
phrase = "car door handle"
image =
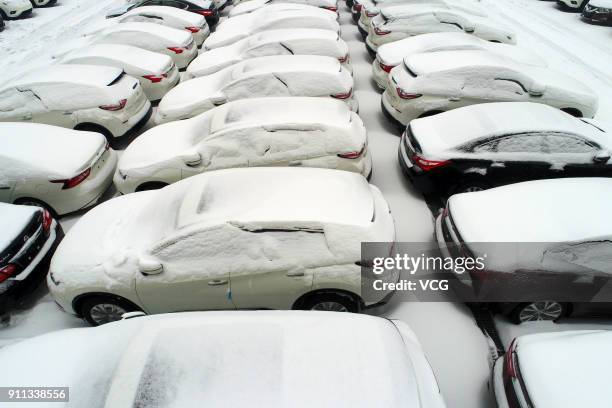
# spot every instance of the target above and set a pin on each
(217, 282)
(295, 274)
(5, 187)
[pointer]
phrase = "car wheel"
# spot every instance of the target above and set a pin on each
(470, 186)
(331, 302)
(90, 127)
(538, 311)
(153, 185)
(98, 310)
(35, 203)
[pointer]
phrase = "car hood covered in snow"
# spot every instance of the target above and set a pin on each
(202, 358)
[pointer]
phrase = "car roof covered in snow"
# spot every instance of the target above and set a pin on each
(90, 75)
(580, 361)
(291, 34)
(283, 197)
(133, 56)
(286, 63)
(458, 127)
(188, 16)
(557, 210)
(273, 357)
(414, 10)
(13, 219)
(158, 30)
(428, 63)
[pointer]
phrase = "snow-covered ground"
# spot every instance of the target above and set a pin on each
(455, 346)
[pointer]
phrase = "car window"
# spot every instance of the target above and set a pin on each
(568, 144)
(523, 143)
(15, 102)
(592, 255)
(486, 147)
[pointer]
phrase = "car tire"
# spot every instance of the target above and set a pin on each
(99, 310)
(152, 185)
(331, 302)
(35, 203)
(469, 186)
(538, 311)
(90, 127)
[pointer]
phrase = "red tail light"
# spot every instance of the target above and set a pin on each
(343, 95)
(176, 50)
(331, 8)
(155, 78)
(407, 95)
(47, 220)
(371, 13)
(75, 181)
(378, 31)
(427, 165)
(509, 369)
(343, 59)
(353, 155)
(7, 271)
(116, 107)
(193, 29)
(357, 8)
(386, 68)
(205, 13)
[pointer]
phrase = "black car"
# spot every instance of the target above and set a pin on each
(29, 238)
(487, 145)
(205, 8)
(594, 13)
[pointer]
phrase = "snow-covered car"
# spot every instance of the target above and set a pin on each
(307, 132)
(283, 75)
(396, 23)
(546, 255)
(83, 97)
(369, 10)
(206, 8)
(201, 358)
(239, 27)
(579, 360)
(178, 44)
(292, 41)
(10, 9)
(598, 11)
(252, 5)
(392, 54)
(254, 238)
(62, 170)
(486, 145)
(156, 72)
(29, 238)
(430, 83)
(170, 17)
(573, 4)
(43, 3)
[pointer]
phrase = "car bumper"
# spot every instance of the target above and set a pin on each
(201, 36)
(184, 59)
(599, 18)
(370, 46)
(157, 91)
(19, 10)
(13, 289)
(379, 75)
(135, 121)
(497, 384)
(419, 180)
(391, 113)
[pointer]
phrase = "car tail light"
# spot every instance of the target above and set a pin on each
(353, 155)
(357, 7)
(427, 165)
(379, 31)
(7, 271)
(205, 13)
(193, 29)
(75, 181)
(330, 8)
(155, 78)
(386, 68)
(47, 220)
(343, 95)
(509, 369)
(407, 95)
(176, 50)
(116, 107)
(343, 59)
(371, 13)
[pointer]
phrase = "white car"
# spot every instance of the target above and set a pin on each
(275, 359)
(308, 132)
(82, 97)
(59, 169)
(291, 41)
(285, 75)
(251, 238)
(239, 27)
(555, 370)
(252, 5)
(397, 23)
(178, 44)
(15, 8)
(392, 54)
(573, 4)
(435, 82)
(173, 17)
(156, 72)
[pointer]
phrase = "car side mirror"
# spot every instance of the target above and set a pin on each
(149, 267)
(601, 157)
(192, 159)
(218, 100)
(469, 29)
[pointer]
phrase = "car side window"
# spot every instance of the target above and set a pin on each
(486, 147)
(527, 143)
(17, 102)
(559, 143)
